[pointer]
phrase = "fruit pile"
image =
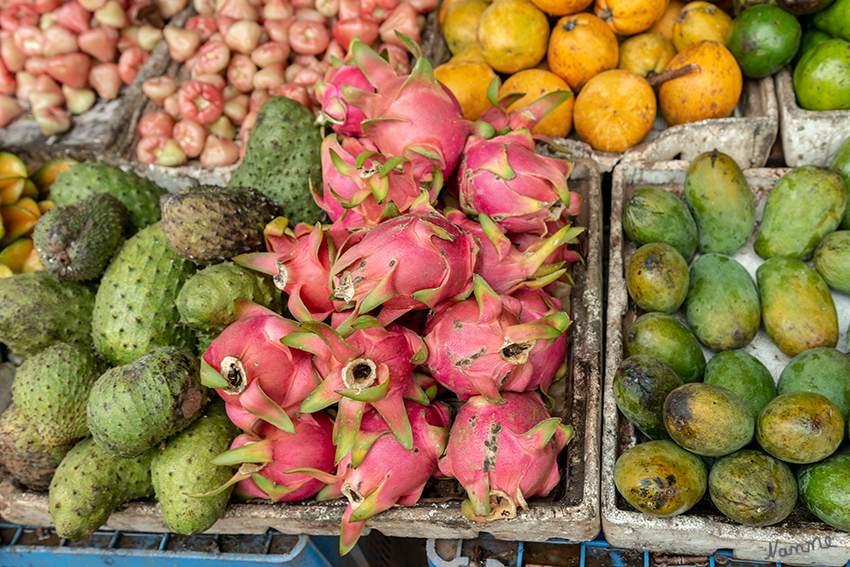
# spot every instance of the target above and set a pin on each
(729, 408)
(238, 53)
(58, 57)
(227, 343)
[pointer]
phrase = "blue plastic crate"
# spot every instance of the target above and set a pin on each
(39, 547)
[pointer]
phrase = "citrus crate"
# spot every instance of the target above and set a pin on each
(802, 538)
(808, 137)
(572, 509)
(93, 134)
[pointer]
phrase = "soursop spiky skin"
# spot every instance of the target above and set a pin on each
(23, 455)
(205, 302)
(39, 311)
(134, 407)
(283, 158)
(51, 389)
(76, 242)
(211, 224)
(138, 194)
(90, 484)
(134, 310)
(183, 467)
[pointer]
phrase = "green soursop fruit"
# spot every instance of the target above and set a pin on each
(211, 224)
(51, 389)
(90, 484)
(134, 407)
(183, 467)
(138, 194)
(205, 302)
(134, 310)
(76, 242)
(283, 159)
(39, 311)
(28, 460)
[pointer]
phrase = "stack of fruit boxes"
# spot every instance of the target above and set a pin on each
(702, 531)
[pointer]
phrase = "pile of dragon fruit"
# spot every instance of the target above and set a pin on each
(433, 283)
(239, 53)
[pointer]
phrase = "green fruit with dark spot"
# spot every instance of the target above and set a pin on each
(641, 384)
(657, 278)
(708, 420)
(822, 370)
(182, 467)
(811, 38)
(39, 311)
(23, 454)
(840, 162)
(825, 490)
(90, 484)
(660, 478)
(739, 6)
(720, 199)
(652, 214)
(822, 77)
(798, 311)
(800, 427)
(834, 19)
(134, 407)
(752, 488)
(722, 307)
(806, 204)
(666, 338)
(743, 374)
(832, 260)
(763, 39)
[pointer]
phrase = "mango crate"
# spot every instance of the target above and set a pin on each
(95, 133)
(572, 509)
(808, 137)
(800, 539)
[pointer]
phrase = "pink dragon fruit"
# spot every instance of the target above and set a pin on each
(299, 260)
(537, 304)
(259, 378)
(380, 473)
(413, 261)
(343, 119)
(505, 179)
(503, 266)
(364, 188)
(372, 366)
(527, 117)
(504, 454)
(412, 116)
(479, 346)
(265, 460)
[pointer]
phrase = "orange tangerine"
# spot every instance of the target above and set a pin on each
(468, 81)
(513, 35)
(581, 46)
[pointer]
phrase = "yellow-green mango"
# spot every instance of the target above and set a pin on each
(840, 162)
(669, 340)
(722, 204)
(806, 204)
(832, 260)
(653, 214)
(722, 307)
(798, 311)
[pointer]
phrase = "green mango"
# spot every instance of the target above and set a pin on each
(669, 340)
(825, 489)
(806, 204)
(823, 370)
(832, 260)
(653, 214)
(722, 307)
(834, 19)
(641, 384)
(657, 277)
(720, 199)
(811, 38)
(660, 478)
(822, 77)
(743, 374)
(763, 39)
(840, 162)
(798, 311)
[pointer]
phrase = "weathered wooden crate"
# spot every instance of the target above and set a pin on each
(809, 137)
(802, 538)
(94, 134)
(571, 511)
